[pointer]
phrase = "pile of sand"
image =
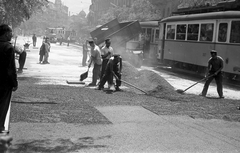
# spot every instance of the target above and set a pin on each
(149, 81)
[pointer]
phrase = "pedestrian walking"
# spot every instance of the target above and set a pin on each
(106, 53)
(68, 39)
(215, 66)
(22, 57)
(47, 47)
(97, 61)
(8, 77)
(85, 53)
(113, 69)
(34, 39)
(42, 52)
(61, 40)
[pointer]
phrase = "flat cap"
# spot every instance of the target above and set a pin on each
(107, 40)
(90, 40)
(213, 51)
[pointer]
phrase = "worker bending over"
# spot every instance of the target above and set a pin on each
(113, 69)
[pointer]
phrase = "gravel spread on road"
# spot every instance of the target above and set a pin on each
(63, 103)
(179, 104)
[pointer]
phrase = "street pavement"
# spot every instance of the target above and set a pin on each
(133, 128)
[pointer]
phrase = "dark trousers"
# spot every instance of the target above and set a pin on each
(108, 76)
(218, 79)
(5, 97)
(103, 68)
(22, 59)
(41, 57)
(34, 43)
(96, 73)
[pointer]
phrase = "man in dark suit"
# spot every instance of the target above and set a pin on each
(8, 75)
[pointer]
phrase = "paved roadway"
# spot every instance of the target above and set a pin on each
(134, 128)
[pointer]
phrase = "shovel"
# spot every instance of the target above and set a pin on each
(85, 75)
(182, 91)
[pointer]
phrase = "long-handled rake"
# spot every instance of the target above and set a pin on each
(128, 83)
(182, 91)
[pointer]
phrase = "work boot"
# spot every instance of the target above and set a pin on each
(20, 71)
(117, 88)
(99, 88)
(91, 84)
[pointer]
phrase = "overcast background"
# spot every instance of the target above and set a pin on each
(75, 6)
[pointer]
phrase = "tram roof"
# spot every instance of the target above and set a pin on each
(149, 23)
(204, 16)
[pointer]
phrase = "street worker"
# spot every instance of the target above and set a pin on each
(85, 52)
(97, 61)
(22, 56)
(215, 66)
(34, 39)
(46, 48)
(8, 77)
(113, 69)
(106, 53)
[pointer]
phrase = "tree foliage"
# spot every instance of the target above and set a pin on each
(140, 10)
(13, 12)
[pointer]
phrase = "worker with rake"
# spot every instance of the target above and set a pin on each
(215, 65)
(113, 69)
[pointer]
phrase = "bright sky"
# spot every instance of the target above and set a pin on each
(75, 6)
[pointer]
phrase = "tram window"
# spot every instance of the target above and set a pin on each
(192, 33)
(157, 35)
(144, 30)
(149, 33)
(222, 32)
(206, 33)
(235, 32)
(181, 32)
(171, 31)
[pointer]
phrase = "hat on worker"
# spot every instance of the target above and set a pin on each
(90, 40)
(213, 51)
(107, 40)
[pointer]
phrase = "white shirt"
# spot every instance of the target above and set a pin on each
(105, 50)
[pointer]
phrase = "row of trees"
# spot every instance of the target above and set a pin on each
(14, 12)
(140, 10)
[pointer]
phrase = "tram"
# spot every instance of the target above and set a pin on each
(60, 34)
(150, 31)
(186, 41)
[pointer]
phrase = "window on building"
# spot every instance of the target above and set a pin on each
(222, 32)
(206, 32)
(192, 33)
(235, 32)
(181, 32)
(171, 31)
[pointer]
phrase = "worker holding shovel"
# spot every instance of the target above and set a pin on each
(113, 68)
(97, 61)
(215, 65)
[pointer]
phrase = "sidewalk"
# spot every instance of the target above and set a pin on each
(133, 129)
